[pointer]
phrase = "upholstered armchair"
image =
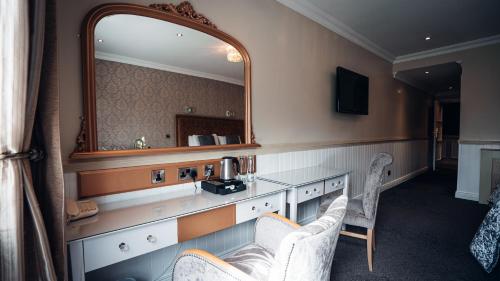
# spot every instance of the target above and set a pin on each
(362, 212)
(282, 250)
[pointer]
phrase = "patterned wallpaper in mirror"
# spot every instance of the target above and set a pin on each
(134, 101)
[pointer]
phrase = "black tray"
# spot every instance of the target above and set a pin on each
(221, 187)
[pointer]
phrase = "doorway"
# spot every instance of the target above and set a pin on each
(442, 83)
(450, 132)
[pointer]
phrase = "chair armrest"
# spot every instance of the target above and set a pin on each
(270, 229)
(197, 264)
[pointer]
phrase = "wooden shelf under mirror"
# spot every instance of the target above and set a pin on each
(153, 151)
(139, 91)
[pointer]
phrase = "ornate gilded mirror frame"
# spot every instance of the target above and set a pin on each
(182, 14)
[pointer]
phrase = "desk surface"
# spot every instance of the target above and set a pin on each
(304, 176)
(185, 202)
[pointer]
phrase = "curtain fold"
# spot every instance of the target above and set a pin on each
(21, 51)
(48, 173)
(13, 76)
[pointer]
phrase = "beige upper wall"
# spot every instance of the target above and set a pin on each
(480, 90)
(293, 62)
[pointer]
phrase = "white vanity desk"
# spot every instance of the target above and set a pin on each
(309, 183)
(147, 224)
(127, 229)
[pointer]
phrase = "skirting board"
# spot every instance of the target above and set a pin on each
(398, 181)
(467, 195)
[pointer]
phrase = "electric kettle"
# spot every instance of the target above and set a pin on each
(227, 168)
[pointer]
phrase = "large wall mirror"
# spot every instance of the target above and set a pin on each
(161, 79)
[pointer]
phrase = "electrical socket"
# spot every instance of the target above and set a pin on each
(157, 176)
(209, 170)
(184, 173)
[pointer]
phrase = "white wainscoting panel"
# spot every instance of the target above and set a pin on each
(469, 162)
(409, 157)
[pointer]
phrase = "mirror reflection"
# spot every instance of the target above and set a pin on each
(160, 84)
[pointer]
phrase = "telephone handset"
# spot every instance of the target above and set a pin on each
(80, 209)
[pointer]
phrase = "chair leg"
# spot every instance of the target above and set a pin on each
(373, 242)
(369, 248)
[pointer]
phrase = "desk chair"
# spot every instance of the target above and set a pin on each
(363, 212)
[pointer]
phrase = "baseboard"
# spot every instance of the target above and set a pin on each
(467, 195)
(398, 181)
(407, 177)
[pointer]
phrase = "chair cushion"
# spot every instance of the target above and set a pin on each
(355, 214)
(253, 260)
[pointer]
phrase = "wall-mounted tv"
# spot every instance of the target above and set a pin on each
(352, 92)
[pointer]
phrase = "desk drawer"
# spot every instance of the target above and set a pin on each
(105, 250)
(308, 192)
(200, 224)
(252, 209)
(334, 184)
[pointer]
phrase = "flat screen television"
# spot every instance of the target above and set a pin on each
(352, 92)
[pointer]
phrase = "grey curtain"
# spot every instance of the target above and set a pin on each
(48, 173)
(25, 252)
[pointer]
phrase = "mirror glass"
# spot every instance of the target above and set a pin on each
(159, 84)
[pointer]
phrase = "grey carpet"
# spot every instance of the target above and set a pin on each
(422, 233)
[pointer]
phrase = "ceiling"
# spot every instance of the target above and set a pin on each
(435, 79)
(395, 29)
(194, 53)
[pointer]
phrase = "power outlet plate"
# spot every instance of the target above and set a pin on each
(157, 176)
(209, 170)
(184, 173)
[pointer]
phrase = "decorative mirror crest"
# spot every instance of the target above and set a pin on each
(184, 9)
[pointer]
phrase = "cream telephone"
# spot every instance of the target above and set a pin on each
(80, 209)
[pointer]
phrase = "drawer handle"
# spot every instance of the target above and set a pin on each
(253, 208)
(123, 247)
(268, 205)
(307, 192)
(151, 239)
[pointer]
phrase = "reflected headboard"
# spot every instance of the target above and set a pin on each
(187, 125)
